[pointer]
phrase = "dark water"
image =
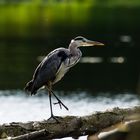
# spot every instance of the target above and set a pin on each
(22, 43)
(106, 69)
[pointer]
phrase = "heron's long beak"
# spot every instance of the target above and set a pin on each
(91, 43)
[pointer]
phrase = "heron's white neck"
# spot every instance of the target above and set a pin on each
(73, 47)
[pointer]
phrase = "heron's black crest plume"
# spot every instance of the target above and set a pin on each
(79, 38)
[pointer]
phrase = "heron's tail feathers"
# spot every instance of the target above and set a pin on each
(29, 87)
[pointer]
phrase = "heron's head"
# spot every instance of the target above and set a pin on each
(82, 41)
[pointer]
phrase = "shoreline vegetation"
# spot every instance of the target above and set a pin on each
(38, 19)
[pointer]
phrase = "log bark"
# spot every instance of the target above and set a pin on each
(69, 126)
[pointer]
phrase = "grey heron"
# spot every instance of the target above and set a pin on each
(55, 65)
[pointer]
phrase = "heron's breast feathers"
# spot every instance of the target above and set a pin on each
(60, 73)
(68, 62)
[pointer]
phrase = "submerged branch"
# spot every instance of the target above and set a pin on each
(69, 126)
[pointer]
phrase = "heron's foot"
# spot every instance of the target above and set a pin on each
(54, 119)
(61, 104)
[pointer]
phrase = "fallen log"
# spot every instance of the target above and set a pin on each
(69, 126)
(128, 131)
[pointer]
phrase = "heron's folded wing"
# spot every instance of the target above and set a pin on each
(47, 70)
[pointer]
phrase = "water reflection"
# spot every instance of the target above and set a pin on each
(126, 38)
(119, 59)
(91, 60)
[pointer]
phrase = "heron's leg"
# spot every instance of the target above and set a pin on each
(59, 101)
(52, 116)
(50, 99)
(49, 88)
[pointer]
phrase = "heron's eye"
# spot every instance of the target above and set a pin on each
(83, 40)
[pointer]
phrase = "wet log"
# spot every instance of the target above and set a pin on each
(69, 126)
(122, 131)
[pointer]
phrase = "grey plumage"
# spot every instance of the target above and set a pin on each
(55, 65)
(47, 71)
